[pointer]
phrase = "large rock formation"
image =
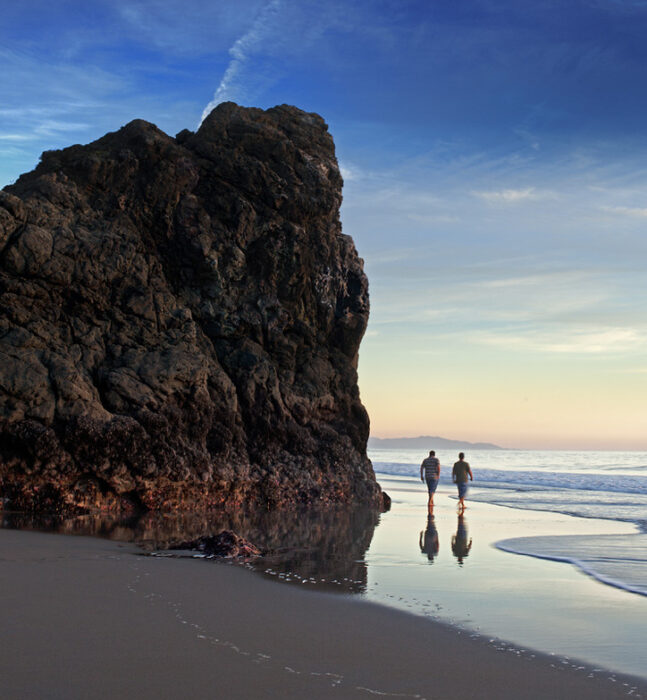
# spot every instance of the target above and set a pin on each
(180, 321)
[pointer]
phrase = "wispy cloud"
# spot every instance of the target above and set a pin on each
(17, 137)
(231, 86)
(541, 280)
(508, 196)
(50, 126)
(574, 341)
(433, 218)
(209, 27)
(351, 172)
(639, 212)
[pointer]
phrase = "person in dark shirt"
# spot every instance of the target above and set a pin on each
(430, 472)
(460, 473)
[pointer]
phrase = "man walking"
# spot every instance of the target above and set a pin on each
(430, 472)
(460, 473)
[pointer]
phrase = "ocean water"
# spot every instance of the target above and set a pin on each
(609, 486)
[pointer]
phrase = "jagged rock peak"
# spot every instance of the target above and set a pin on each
(180, 320)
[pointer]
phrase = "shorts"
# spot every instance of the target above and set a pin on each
(462, 488)
(431, 485)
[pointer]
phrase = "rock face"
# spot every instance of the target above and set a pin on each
(180, 321)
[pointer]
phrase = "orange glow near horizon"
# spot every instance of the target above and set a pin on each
(514, 401)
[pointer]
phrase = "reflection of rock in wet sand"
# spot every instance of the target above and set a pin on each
(327, 543)
(460, 544)
(326, 547)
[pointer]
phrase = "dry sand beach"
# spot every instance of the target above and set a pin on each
(91, 618)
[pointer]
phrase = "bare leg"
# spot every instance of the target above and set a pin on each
(430, 504)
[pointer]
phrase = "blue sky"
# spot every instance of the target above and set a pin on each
(495, 161)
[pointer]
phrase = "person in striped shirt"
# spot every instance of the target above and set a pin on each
(430, 472)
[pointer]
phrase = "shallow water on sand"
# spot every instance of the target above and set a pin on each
(451, 570)
(596, 485)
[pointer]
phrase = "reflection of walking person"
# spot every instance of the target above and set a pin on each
(460, 546)
(459, 476)
(430, 472)
(429, 539)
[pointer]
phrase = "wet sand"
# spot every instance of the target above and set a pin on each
(90, 618)
(527, 602)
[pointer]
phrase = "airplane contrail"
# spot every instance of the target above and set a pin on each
(229, 86)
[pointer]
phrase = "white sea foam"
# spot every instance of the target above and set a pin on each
(527, 460)
(618, 560)
(593, 484)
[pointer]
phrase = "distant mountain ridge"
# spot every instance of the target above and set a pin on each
(428, 442)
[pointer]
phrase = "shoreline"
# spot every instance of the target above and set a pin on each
(95, 617)
(517, 602)
(515, 546)
(530, 602)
